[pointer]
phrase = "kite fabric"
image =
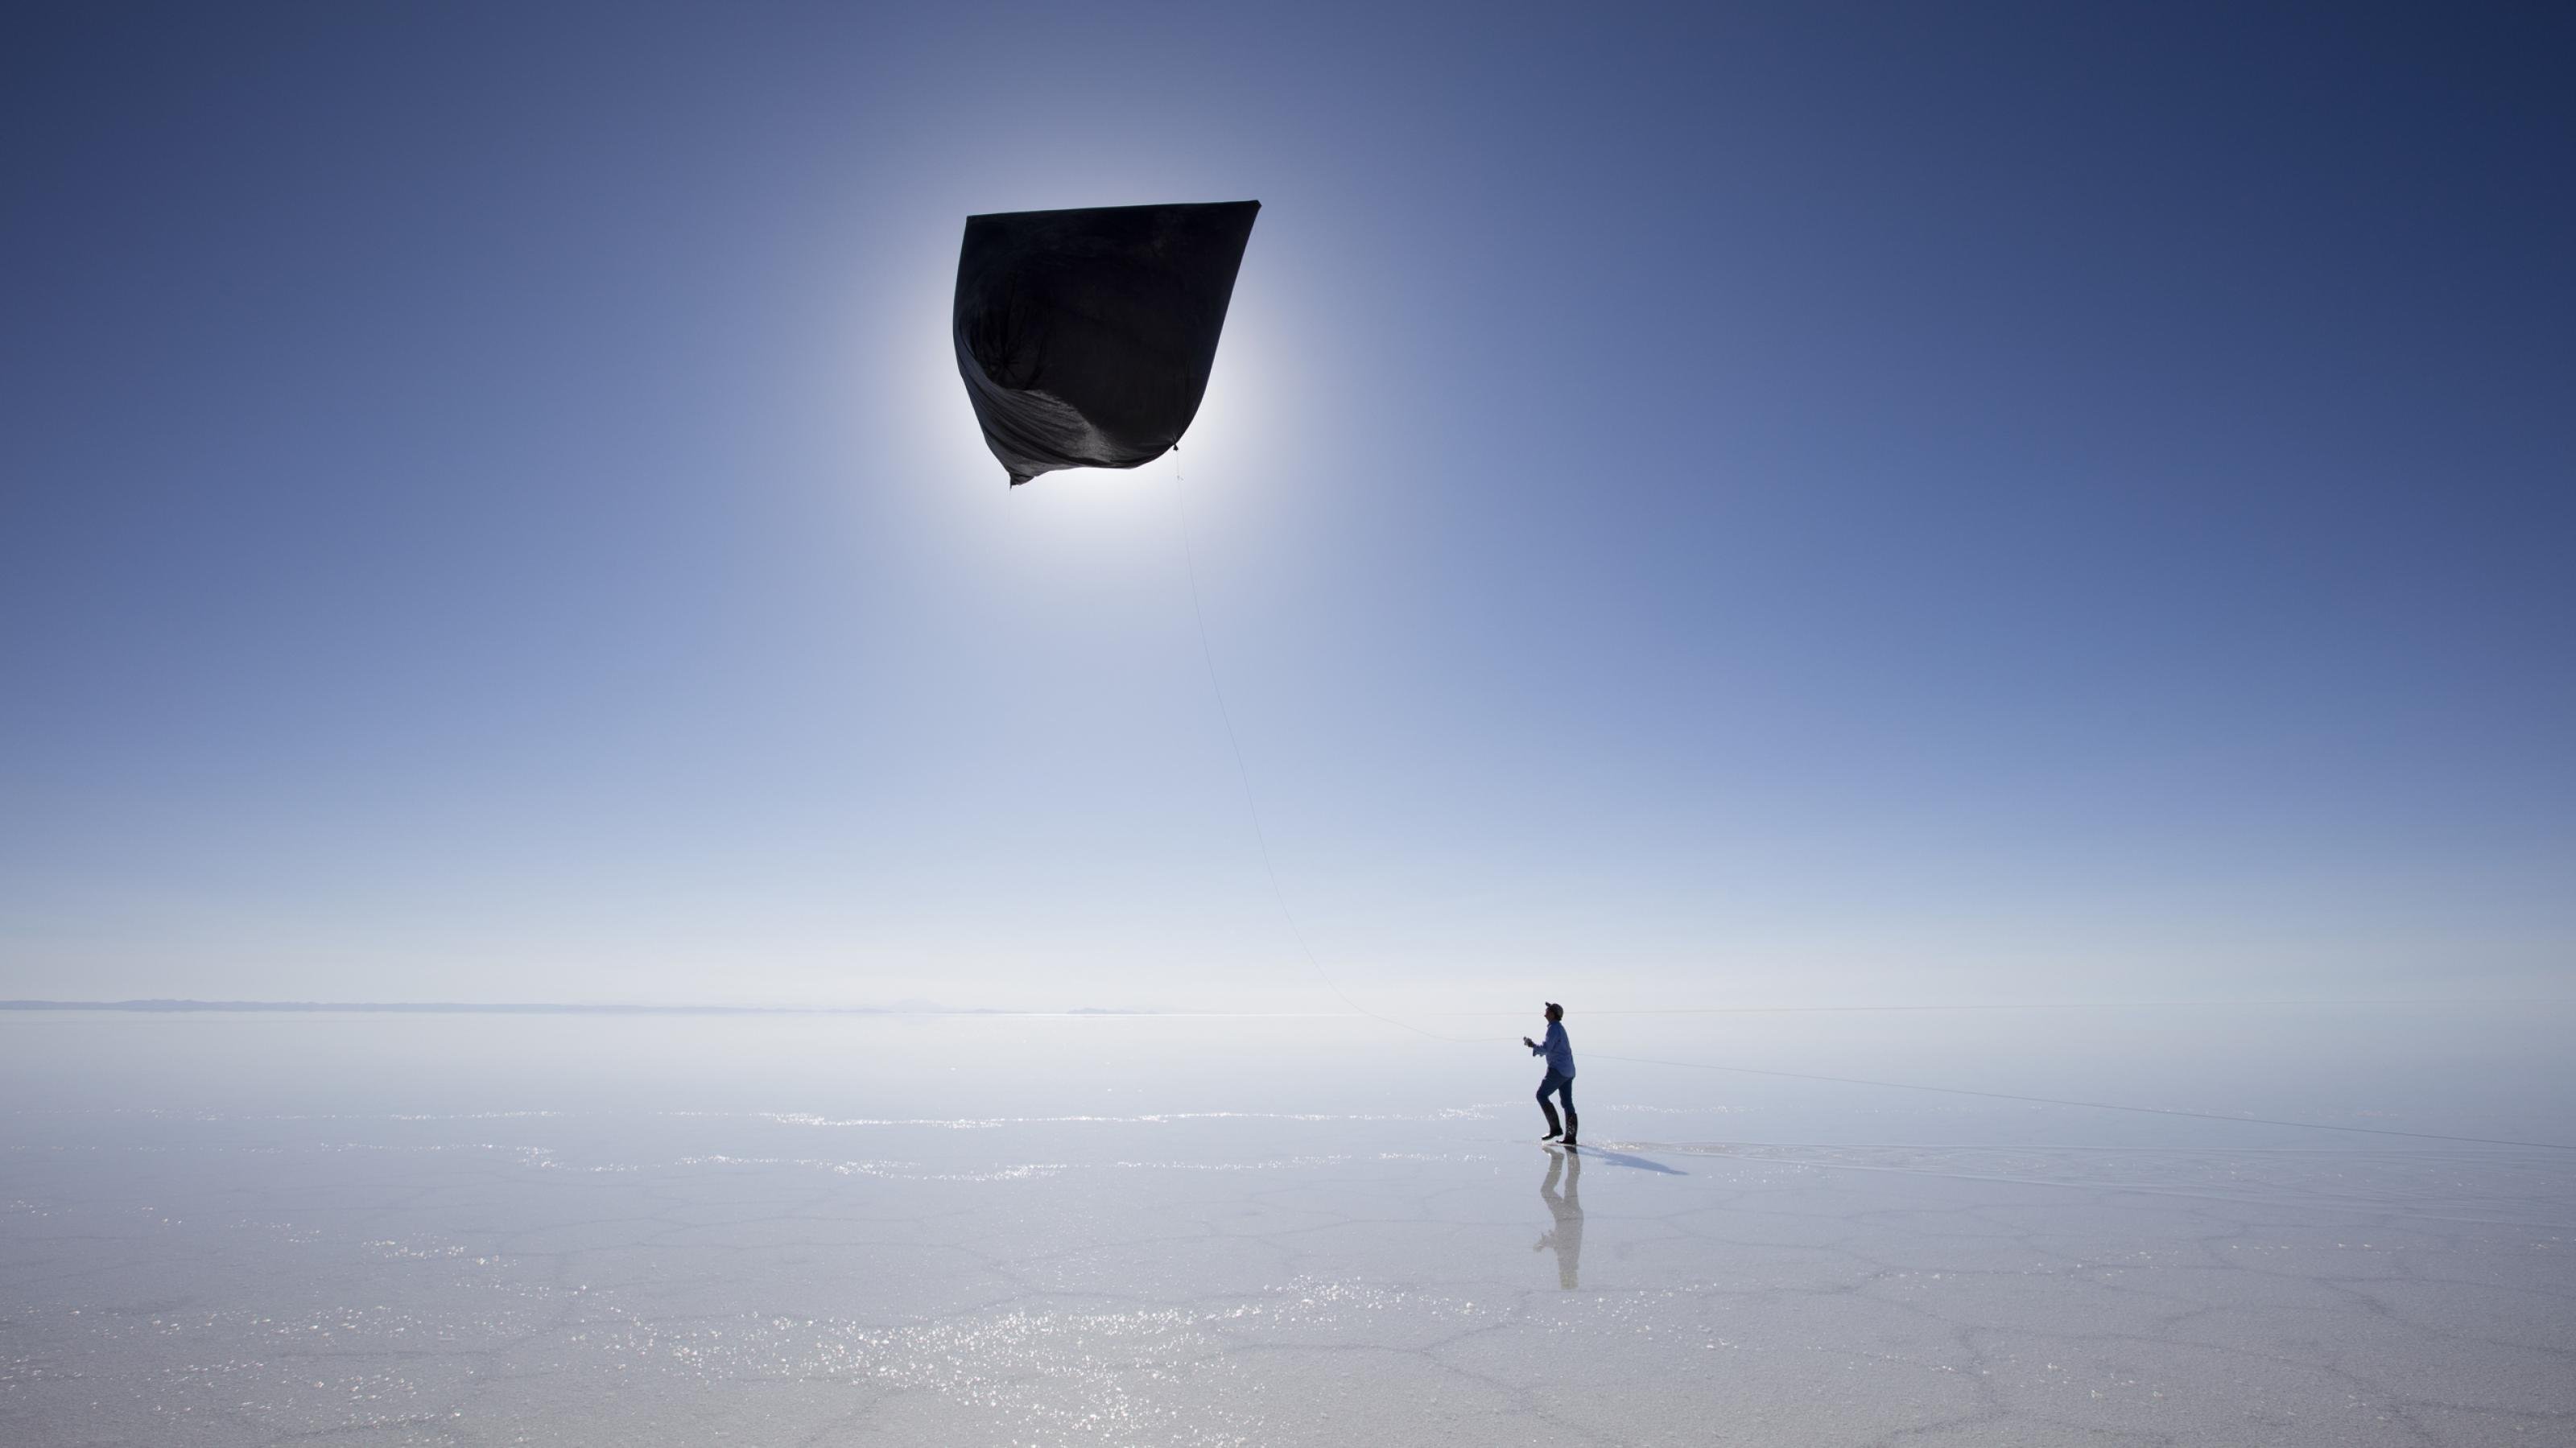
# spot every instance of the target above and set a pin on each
(1086, 337)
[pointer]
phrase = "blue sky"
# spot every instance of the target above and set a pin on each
(1817, 503)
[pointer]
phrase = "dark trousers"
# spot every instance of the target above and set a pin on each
(1562, 1087)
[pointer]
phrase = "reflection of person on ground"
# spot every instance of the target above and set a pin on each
(1567, 1239)
(1559, 1079)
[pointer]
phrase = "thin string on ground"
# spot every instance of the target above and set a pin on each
(2087, 1105)
(1243, 776)
(2027, 1006)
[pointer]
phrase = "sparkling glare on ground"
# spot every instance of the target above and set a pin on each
(1008, 1230)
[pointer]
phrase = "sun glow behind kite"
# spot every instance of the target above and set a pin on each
(1085, 337)
(1119, 517)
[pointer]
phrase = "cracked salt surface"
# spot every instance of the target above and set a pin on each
(469, 1230)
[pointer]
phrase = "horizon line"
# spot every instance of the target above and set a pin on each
(182, 1005)
(166, 1003)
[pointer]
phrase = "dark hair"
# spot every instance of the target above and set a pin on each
(1555, 1012)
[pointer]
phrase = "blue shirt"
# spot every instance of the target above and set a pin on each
(1559, 1053)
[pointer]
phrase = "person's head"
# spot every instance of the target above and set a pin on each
(1555, 1012)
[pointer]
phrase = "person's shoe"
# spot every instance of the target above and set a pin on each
(1551, 1136)
(1569, 1143)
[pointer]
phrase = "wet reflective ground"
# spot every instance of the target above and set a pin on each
(378, 1230)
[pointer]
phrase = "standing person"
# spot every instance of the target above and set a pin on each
(1560, 1073)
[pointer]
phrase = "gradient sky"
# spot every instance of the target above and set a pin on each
(1791, 503)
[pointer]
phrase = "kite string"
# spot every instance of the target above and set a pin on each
(1243, 777)
(1297, 934)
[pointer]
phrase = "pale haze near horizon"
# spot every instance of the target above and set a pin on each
(1818, 506)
